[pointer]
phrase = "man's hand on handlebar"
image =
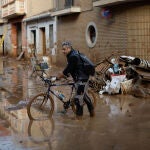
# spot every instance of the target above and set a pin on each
(60, 76)
(64, 78)
(53, 79)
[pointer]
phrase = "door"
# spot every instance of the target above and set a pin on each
(43, 40)
(19, 38)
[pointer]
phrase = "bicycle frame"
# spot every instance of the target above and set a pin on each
(50, 84)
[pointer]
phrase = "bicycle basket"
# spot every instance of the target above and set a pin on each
(44, 65)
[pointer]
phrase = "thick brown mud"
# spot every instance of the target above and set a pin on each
(122, 122)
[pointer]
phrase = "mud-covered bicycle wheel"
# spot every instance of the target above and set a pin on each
(40, 107)
(92, 96)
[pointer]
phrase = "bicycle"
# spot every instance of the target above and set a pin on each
(42, 105)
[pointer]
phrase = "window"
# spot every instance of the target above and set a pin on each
(91, 34)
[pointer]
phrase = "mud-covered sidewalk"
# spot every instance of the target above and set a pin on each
(122, 122)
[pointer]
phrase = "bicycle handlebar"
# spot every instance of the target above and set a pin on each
(52, 79)
(48, 80)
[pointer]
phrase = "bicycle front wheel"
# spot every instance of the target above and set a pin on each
(40, 107)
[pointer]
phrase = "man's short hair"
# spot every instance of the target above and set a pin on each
(66, 43)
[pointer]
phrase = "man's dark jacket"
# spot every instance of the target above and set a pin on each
(75, 67)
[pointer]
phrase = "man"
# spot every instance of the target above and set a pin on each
(75, 69)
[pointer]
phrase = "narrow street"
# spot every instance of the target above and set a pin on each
(122, 122)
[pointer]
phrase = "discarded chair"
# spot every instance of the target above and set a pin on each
(99, 80)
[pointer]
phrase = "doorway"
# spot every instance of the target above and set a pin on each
(19, 38)
(43, 40)
(33, 37)
(2, 45)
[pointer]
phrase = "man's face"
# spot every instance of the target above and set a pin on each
(66, 50)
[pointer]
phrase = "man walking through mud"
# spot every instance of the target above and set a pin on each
(76, 70)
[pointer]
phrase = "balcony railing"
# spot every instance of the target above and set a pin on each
(63, 7)
(110, 2)
(13, 8)
(6, 2)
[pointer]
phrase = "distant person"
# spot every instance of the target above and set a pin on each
(76, 70)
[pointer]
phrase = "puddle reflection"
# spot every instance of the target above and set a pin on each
(26, 134)
(119, 104)
(35, 134)
(41, 131)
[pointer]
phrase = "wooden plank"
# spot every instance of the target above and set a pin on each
(20, 56)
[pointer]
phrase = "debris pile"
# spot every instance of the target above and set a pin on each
(123, 75)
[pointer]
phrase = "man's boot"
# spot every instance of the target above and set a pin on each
(92, 113)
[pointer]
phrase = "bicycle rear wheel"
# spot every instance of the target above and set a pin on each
(40, 107)
(92, 96)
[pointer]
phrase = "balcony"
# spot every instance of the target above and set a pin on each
(12, 8)
(110, 2)
(65, 7)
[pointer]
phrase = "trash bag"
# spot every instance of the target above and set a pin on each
(115, 83)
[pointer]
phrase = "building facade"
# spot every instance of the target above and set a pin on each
(97, 28)
(28, 22)
(40, 27)
(13, 11)
(134, 15)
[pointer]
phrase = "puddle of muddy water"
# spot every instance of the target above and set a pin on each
(120, 121)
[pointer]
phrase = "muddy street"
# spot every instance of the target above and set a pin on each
(122, 122)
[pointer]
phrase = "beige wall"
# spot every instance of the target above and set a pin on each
(85, 4)
(35, 7)
(139, 31)
(114, 34)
